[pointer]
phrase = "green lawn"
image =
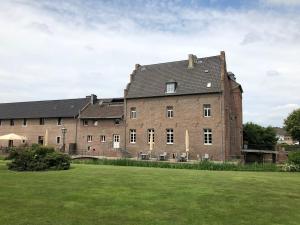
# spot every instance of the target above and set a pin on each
(93, 194)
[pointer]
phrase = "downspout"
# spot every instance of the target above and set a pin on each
(223, 108)
(125, 120)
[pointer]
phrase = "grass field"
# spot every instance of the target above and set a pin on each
(93, 194)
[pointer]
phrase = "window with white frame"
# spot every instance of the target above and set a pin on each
(149, 135)
(170, 87)
(59, 121)
(170, 111)
(58, 138)
(207, 136)
(133, 113)
(207, 110)
(89, 138)
(102, 138)
(85, 123)
(170, 136)
(95, 123)
(132, 136)
(24, 123)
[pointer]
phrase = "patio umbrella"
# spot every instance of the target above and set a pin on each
(187, 143)
(151, 140)
(46, 138)
(12, 137)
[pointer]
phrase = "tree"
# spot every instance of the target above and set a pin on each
(258, 137)
(292, 124)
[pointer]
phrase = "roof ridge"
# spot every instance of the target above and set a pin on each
(154, 64)
(53, 100)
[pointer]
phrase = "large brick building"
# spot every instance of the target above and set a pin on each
(165, 100)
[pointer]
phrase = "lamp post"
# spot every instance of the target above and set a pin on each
(64, 131)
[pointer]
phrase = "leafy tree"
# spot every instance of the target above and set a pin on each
(258, 137)
(292, 124)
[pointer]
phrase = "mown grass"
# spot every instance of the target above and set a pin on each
(114, 195)
(204, 165)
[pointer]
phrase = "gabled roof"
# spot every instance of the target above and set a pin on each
(104, 109)
(280, 131)
(43, 109)
(150, 80)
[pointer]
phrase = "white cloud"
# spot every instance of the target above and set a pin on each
(283, 2)
(52, 51)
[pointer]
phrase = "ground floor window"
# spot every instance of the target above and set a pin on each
(207, 136)
(170, 136)
(41, 140)
(102, 138)
(132, 136)
(58, 140)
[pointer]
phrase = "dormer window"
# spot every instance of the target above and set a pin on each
(170, 87)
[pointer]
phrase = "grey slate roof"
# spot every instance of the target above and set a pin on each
(42, 109)
(150, 80)
(104, 109)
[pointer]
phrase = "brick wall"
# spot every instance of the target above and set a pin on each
(188, 115)
(34, 129)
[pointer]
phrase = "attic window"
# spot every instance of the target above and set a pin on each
(208, 84)
(170, 87)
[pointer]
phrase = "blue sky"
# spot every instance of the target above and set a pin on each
(67, 49)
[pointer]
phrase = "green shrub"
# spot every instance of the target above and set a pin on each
(37, 158)
(290, 167)
(294, 157)
(203, 165)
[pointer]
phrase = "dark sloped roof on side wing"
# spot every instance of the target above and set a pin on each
(104, 110)
(42, 109)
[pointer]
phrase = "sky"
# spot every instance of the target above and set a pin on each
(53, 49)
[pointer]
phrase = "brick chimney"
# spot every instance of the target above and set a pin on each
(93, 99)
(192, 59)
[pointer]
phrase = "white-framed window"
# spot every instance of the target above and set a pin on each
(207, 110)
(170, 136)
(42, 121)
(58, 140)
(59, 121)
(102, 138)
(24, 123)
(95, 122)
(89, 138)
(85, 123)
(132, 136)
(149, 135)
(207, 136)
(170, 87)
(133, 113)
(170, 111)
(12, 122)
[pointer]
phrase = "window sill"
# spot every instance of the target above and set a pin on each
(170, 143)
(207, 144)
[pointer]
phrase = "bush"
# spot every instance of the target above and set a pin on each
(294, 157)
(37, 158)
(290, 167)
